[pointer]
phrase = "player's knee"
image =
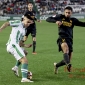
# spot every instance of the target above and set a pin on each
(34, 38)
(24, 60)
(65, 47)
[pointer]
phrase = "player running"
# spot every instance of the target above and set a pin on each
(65, 24)
(32, 28)
(14, 45)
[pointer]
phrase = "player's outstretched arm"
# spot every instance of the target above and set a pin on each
(21, 43)
(51, 19)
(4, 26)
(27, 45)
(79, 23)
(54, 18)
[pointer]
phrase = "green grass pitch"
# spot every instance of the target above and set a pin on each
(41, 64)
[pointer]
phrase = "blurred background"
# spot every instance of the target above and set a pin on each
(43, 8)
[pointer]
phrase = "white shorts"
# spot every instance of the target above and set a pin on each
(16, 51)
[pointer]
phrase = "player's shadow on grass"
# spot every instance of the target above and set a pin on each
(48, 76)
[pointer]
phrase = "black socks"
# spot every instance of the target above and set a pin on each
(66, 58)
(34, 46)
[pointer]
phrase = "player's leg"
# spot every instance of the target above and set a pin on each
(18, 63)
(70, 44)
(24, 69)
(20, 56)
(62, 63)
(63, 46)
(10, 50)
(33, 33)
(70, 56)
(34, 45)
(70, 65)
(57, 65)
(65, 49)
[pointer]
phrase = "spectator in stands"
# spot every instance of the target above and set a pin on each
(44, 6)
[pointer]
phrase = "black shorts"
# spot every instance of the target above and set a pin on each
(68, 41)
(31, 29)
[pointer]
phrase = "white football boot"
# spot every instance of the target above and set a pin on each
(26, 80)
(15, 70)
(55, 68)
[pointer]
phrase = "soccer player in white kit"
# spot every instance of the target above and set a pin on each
(13, 45)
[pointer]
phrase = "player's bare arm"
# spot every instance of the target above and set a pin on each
(4, 26)
(38, 20)
(29, 21)
(21, 43)
(25, 38)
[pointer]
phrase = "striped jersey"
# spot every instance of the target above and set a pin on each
(17, 33)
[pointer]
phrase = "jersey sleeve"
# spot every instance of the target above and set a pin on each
(53, 18)
(14, 23)
(78, 23)
(22, 17)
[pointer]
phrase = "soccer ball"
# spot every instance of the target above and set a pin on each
(29, 76)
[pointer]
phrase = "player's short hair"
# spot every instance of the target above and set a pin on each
(69, 8)
(30, 2)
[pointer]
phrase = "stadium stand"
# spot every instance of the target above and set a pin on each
(51, 6)
(43, 6)
(13, 6)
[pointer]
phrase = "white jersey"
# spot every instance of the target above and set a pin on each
(17, 33)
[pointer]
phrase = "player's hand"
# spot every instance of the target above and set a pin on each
(59, 23)
(28, 45)
(31, 21)
(38, 20)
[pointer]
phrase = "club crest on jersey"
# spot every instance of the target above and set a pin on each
(68, 24)
(63, 19)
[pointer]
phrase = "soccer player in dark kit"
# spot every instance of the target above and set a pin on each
(32, 28)
(65, 24)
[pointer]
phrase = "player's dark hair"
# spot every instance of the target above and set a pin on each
(30, 2)
(69, 8)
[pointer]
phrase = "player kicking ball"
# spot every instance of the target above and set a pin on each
(65, 24)
(15, 44)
